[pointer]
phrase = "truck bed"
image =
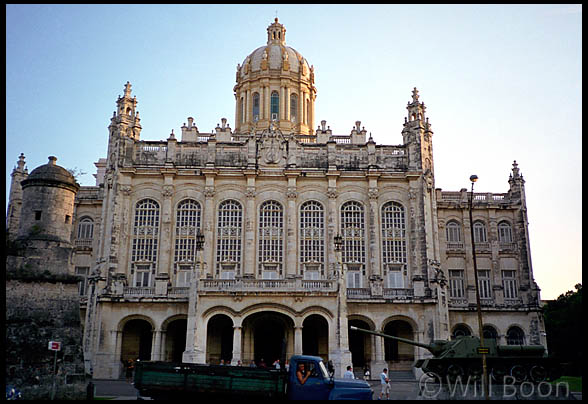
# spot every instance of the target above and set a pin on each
(164, 379)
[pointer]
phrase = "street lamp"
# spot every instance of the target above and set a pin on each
(199, 247)
(341, 292)
(473, 179)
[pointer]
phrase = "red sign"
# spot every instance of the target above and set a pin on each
(54, 346)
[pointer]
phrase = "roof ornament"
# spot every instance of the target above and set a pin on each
(415, 95)
(128, 89)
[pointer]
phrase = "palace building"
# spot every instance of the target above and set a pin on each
(278, 235)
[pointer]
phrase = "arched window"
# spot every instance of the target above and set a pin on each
(460, 330)
(489, 332)
(255, 107)
(504, 232)
(86, 229)
(187, 225)
(145, 241)
(394, 244)
(453, 232)
(312, 239)
(228, 253)
(271, 239)
(480, 232)
(515, 336)
(275, 106)
(352, 231)
(293, 108)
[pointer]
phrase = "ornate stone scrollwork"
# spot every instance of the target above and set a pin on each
(168, 191)
(208, 191)
(250, 192)
(125, 190)
(373, 193)
(332, 193)
(291, 193)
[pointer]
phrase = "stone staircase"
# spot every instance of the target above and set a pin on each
(401, 375)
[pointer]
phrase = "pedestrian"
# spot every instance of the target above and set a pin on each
(222, 362)
(385, 383)
(287, 365)
(252, 364)
(349, 374)
(239, 362)
(262, 363)
(366, 375)
(277, 364)
(130, 366)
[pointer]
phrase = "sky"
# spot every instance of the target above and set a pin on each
(500, 83)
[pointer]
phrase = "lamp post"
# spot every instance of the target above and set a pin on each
(199, 248)
(193, 354)
(473, 179)
(338, 240)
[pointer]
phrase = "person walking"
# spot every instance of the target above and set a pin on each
(385, 383)
(130, 366)
(349, 373)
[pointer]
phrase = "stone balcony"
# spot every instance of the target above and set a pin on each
(266, 285)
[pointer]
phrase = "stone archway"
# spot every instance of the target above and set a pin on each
(399, 355)
(175, 340)
(360, 344)
(315, 336)
(137, 337)
(267, 335)
(219, 339)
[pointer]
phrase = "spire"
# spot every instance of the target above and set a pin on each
(128, 90)
(416, 109)
(276, 33)
(126, 117)
(20, 164)
(415, 95)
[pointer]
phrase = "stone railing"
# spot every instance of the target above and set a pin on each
(388, 293)
(359, 293)
(458, 301)
(486, 302)
(178, 291)
(454, 246)
(398, 293)
(482, 246)
(138, 291)
(513, 301)
(341, 139)
(507, 246)
(86, 242)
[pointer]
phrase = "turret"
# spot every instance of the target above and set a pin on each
(19, 173)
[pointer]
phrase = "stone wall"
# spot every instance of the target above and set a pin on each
(38, 311)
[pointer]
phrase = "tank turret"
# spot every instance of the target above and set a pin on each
(462, 357)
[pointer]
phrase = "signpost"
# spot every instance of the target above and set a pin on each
(54, 346)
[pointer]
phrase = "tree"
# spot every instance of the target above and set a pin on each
(563, 324)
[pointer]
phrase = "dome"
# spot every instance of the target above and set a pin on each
(50, 174)
(276, 54)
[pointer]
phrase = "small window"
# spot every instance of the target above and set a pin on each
(67, 217)
(82, 285)
(37, 215)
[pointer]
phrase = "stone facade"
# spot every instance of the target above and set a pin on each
(269, 199)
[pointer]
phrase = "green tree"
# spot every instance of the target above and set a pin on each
(563, 324)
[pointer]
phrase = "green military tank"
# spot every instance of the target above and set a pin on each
(461, 357)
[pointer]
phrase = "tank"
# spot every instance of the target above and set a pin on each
(460, 357)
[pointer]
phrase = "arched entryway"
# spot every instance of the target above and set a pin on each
(267, 335)
(219, 339)
(136, 340)
(175, 340)
(399, 355)
(360, 344)
(315, 336)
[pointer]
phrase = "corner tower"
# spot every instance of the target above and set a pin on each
(275, 84)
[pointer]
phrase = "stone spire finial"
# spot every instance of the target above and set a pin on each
(52, 160)
(515, 169)
(21, 162)
(415, 95)
(128, 89)
(276, 33)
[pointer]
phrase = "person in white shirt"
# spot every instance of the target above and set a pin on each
(385, 383)
(348, 374)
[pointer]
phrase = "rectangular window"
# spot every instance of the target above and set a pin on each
(311, 275)
(142, 275)
(37, 215)
(509, 284)
(183, 278)
(269, 274)
(83, 284)
(484, 284)
(456, 282)
(354, 279)
(395, 278)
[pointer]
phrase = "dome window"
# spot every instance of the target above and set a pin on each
(255, 107)
(275, 105)
(293, 107)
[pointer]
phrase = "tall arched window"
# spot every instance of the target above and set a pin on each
(271, 239)
(185, 255)
(453, 232)
(515, 336)
(255, 107)
(86, 229)
(312, 239)
(352, 231)
(489, 332)
(460, 330)
(145, 241)
(275, 106)
(394, 244)
(228, 250)
(293, 107)
(480, 232)
(504, 232)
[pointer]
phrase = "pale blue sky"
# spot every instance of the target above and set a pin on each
(500, 82)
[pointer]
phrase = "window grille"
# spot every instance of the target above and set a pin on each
(504, 232)
(484, 284)
(509, 284)
(480, 232)
(271, 237)
(456, 282)
(460, 330)
(145, 233)
(453, 232)
(255, 106)
(394, 243)
(352, 230)
(515, 336)
(230, 222)
(275, 105)
(187, 224)
(85, 229)
(312, 234)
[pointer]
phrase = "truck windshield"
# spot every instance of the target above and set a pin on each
(323, 370)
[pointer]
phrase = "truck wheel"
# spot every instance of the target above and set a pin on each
(538, 373)
(497, 373)
(519, 373)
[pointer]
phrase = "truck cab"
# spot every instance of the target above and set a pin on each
(320, 385)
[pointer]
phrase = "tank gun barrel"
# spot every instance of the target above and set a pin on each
(431, 348)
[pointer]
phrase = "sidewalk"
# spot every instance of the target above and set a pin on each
(119, 389)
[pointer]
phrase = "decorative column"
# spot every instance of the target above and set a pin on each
(291, 242)
(236, 345)
(249, 269)
(298, 340)
(378, 363)
(156, 347)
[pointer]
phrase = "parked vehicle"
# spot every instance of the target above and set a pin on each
(461, 357)
(164, 380)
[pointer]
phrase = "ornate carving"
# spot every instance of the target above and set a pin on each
(125, 190)
(168, 191)
(250, 192)
(332, 193)
(291, 193)
(373, 193)
(208, 191)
